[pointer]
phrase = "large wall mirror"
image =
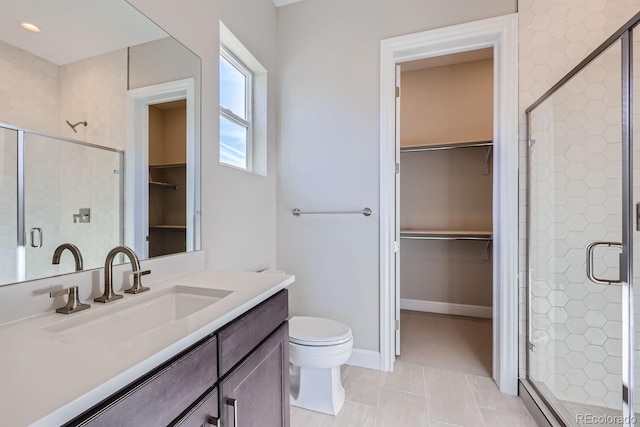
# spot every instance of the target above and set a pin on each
(99, 136)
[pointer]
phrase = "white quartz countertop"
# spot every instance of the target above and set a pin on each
(47, 379)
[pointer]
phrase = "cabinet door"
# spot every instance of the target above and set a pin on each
(256, 393)
(203, 414)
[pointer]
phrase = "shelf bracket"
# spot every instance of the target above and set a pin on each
(487, 250)
(487, 160)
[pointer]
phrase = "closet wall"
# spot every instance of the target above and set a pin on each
(448, 190)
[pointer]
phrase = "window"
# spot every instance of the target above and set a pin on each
(236, 81)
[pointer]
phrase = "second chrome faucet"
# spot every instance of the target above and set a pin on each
(109, 295)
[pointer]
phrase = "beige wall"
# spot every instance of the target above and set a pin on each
(329, 54)
(447, 104)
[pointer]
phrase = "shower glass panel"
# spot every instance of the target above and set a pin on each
(575, 200)
(72, 194)
(8, 205)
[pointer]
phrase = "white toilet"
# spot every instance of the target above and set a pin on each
(317, 348)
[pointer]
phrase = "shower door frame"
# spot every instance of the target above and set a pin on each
(21, 236)
(625, 35)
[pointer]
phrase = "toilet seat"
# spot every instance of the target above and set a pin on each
(318, 332)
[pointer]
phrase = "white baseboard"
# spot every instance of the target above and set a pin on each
(447, 308)
(365, 359)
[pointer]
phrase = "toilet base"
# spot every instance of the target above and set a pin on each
(318, 389)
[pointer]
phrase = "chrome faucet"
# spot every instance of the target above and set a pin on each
(77, 256)
(109, 295)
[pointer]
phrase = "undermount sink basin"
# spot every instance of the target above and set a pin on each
(136, 315)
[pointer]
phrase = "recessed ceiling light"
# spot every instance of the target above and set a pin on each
(29, 26)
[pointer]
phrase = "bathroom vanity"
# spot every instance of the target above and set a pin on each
(220, 357)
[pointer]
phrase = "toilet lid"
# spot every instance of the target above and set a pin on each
(316, 331)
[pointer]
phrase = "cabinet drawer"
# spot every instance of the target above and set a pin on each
(159, 397)
(205, 413)
(247, 331)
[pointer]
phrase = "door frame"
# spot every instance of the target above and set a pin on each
(137, 161)
(501, 33)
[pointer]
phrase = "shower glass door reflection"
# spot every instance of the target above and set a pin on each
(575, 200)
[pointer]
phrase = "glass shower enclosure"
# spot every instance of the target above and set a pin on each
(55, 190)
(583, 232)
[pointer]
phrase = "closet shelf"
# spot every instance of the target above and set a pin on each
(168, 165)
(168, 227)
(446, 235)
(445, 146)
(163, 185)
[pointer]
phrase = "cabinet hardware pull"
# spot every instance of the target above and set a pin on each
(234, 403)
(213, 421)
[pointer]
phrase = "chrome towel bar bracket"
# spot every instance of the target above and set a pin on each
(298, 212)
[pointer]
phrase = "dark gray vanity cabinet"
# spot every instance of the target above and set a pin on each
(256, 392)
(237, 376)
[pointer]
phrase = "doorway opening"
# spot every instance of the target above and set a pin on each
(167, 178)
(162, 152)
(445, 117)
(500, 35)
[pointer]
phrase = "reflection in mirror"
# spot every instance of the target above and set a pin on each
(65, 102)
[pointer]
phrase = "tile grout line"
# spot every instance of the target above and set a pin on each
(466, 378)
(426, 394)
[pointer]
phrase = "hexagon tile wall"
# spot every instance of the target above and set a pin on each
(554, 36)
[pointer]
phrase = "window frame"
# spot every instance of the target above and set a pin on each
(231, 116)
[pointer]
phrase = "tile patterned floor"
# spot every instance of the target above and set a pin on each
(443, 387)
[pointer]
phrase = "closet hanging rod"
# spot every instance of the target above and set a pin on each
(447, 235)
(298, 212)
(447, 146)
(480, 238)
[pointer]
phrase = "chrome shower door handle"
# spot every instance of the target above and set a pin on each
(32, 234)
(590, 273)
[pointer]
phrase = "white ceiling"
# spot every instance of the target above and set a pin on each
(74, 29)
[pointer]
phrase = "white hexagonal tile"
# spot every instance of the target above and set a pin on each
(595, 318)
(577, 291)
(576, 171)
(613, 311)
(595, 353)
(576, 377)
(576, 275)
(595, 371)
(613, 364)
(575, 188)
(595, 214)
(557, 298)
(576, 326)
(613, 382)
(540, 321)
(576, 343)
(540, 305)
(595, 336)
(613, 329)
(594, 301)
(576, 308)
(595, 388)
(576, 205)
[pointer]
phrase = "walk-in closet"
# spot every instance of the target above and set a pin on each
(446, 184)
(167, 178)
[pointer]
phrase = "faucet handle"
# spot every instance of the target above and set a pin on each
(73, 303)
(137, 287)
